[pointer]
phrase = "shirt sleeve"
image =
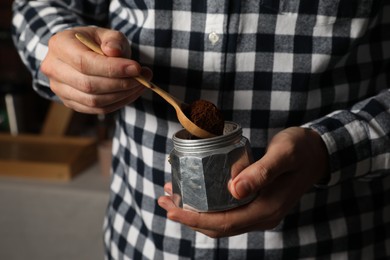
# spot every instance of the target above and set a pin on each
(358, 137)
(358, 140)
(34, 22)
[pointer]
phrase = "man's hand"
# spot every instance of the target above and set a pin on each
(296, 158)
(89, 82)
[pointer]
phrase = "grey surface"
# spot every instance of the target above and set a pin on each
(50, 220)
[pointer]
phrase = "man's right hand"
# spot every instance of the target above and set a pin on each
(88, 82)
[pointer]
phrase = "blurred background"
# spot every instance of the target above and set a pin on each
(54, 168)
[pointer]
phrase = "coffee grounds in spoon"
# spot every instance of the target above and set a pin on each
(206, 115)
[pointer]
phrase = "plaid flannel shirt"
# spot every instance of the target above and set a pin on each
(268, 65)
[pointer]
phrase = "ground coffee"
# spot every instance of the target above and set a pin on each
(206, 115)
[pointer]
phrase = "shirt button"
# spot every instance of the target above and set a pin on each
(213, 37)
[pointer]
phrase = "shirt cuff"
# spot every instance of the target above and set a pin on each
(347, 142)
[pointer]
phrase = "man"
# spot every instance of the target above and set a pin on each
(307, 81)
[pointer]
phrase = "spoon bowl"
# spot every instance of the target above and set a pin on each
(174, 102)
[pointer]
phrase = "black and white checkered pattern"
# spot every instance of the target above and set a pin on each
(268, 65)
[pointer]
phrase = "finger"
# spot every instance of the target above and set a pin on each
(114, 43)
(229, 233)
(250, 180)
(221, 223)
(263, 213)
(90, 63)
(168, 188)
(65, 91)
(102, 103)
(147, 73)
(98, 110)
(81, 58)
(61, 72)
(261, 173)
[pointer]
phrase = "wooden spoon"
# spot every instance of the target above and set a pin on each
(177, 104)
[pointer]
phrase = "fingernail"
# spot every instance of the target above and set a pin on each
(114, 45)
(131, 70)
(161, 202)
(243, 189)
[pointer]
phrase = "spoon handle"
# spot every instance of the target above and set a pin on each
(89, 43)
(177, 104)
(162, 93)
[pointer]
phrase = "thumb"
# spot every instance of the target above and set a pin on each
(115, 44)
(255, 176)
(249, 181)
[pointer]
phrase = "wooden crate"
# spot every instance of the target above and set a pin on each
(45, 157)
